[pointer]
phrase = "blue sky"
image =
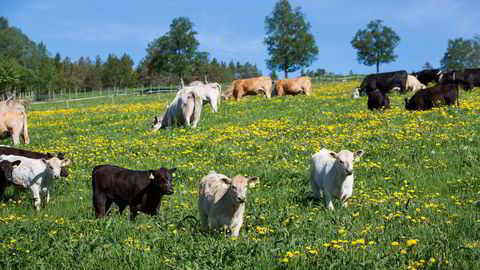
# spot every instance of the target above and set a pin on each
(229, 30)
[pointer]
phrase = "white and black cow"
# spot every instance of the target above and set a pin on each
(384, 82)
(428, 75)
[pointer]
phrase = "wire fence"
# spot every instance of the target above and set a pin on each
(69, 98)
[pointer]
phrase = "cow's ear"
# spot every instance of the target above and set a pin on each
(16, 162)
(61, 155)
(65, 162)
(44, 160)
(227, 181)
(358, 154)
(49, 155)
(253, 181)
(155, 119)
(151, 176)
(333, 154)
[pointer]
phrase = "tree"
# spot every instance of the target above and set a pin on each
(427, 65)
(289, 42)
(375, 44)
(175, 52)
(462, 53)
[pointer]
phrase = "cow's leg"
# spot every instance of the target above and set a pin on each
(214, 104)
(36, 197)
(236, 229)
(16, 136)
(327, 198)
(315, 189)
(203, 218)
(100, 204)
(121, 206)
(25, 129)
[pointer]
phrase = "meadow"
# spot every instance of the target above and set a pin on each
(412, 206)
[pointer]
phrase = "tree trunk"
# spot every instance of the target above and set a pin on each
(286, 73)
(378, 65)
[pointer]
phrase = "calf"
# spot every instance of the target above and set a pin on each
(141, 190)
(35, 155)
(332, 174)
(377, 100)
(14, 123)
(6, 168)
(428, 98)
(221, 201)
(36, 175)
(413, 84)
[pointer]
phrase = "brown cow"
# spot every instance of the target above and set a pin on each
(252, 86)
(294, 86)
(13, 123)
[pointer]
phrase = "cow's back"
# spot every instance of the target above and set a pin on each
(321, 166)
(118, 183)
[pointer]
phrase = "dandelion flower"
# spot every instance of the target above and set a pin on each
(395, 243)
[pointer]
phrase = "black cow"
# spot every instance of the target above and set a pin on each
(141, 190)
(467, 78)
(428, 75)
(377, 100)
(384, 82)
(6, 168)
(35, 155)
(428, 98)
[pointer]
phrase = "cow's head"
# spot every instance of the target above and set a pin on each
(160, 122)
(54, 165)
(163, 179)
(344, 161)
(237, 187)
(6, 168)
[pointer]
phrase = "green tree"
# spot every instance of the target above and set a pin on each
(175, 53)
(462, 53)
(427, 65)
(375, 44)
(289, 42)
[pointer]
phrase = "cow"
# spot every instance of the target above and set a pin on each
(13, 123)
(467, 78)
(427, 76)
(413, 84)
(13, 105)
(142, 191)
(6, 169)
(377, 100)
(185, 109)
(221, 201)
(428, 98)
(251, 86)
(384, 82)
(35, 175)
(294, 86)
(36, 155)
(332, 174)
(209, 93)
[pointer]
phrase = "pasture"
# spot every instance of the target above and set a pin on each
(412, 206)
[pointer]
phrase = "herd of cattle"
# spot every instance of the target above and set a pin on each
(221, 199)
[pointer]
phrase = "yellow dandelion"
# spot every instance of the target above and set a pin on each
(395, 243)
(403, 252)
(411, 242)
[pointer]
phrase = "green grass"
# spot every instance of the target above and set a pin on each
(416, 181)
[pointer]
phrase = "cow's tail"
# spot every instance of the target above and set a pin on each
(458, 96)
(25, 128)
(219, 87)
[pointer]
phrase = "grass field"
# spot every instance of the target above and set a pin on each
(412, 206)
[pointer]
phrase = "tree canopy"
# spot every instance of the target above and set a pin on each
(289, 42)
(462, 53)
(375, 44)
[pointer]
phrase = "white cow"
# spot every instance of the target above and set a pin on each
(221, 201)
(209, 93)
(413, 84)
(332, 174)
(36, 175)
(185, 109)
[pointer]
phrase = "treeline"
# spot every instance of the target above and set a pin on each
(28, 67)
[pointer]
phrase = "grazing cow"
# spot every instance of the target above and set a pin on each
(221, 201)
(413, 84)
(6, 169)
(384, 82)
(294, 86)
(467, 78)
(428, 75)
(14, 122)
(377, 100)
(252, 86)
(141, 190)
(36, 175)
(428, 98)
(185, 109)
(332, 174)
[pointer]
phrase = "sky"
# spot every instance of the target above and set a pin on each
(235, 30)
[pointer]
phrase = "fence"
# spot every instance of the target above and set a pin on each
(69, 96)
